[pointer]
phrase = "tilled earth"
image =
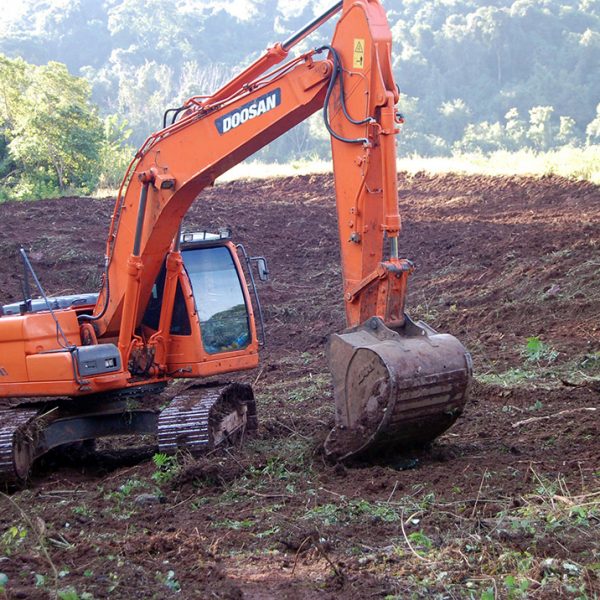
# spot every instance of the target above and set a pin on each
(506, 504)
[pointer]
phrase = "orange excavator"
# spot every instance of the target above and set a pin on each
(175, 306)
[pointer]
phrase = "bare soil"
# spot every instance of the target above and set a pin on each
(510, 491)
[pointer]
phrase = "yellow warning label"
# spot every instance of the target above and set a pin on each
(359, 53)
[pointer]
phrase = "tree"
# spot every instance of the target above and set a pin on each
(115, 152)
(456, 117)
(52, 132)
(540, 128)
(592, 131)
(516, 130)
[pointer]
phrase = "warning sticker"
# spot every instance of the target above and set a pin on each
(359, 53)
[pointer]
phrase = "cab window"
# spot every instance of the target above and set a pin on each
(219, 299)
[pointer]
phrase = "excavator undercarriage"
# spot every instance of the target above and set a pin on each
(197, 419)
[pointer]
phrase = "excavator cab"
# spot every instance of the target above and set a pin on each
(213, 314)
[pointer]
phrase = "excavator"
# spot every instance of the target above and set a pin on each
(176, 306)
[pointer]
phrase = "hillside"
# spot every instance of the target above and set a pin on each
(474, 74)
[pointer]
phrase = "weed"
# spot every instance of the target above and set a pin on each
(167, 467)
(199, 502)
(125, 489)
(511, 378)
(71, 593)
(332, 514)
(536, 351)
(516, 587)
(327, 514)
(12, 538)
(169, 580)
(537, 405)
(274, 469)
(235, 525)
(316, 387)
(591, 360)
(378, 510)
(425, 312)
(420, 541)
(83, 510)
(272, 531)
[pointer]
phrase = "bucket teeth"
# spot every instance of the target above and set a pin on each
(394, 388)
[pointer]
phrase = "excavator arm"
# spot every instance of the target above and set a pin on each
(395, 382)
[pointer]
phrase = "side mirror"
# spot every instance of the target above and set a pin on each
(263, 269)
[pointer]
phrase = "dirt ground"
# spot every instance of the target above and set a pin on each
(504, 505)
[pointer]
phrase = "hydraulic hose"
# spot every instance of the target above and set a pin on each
(337, 74)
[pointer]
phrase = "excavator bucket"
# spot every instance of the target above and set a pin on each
(394, 388)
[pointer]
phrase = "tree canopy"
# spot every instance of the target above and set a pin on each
(475, 75)
(50, 132)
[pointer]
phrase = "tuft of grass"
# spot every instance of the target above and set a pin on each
(353, 510)
(513, 377)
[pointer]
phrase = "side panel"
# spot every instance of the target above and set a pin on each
(34, 336)
(12, 351)
(34, 362)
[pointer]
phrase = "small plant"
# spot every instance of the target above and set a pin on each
(537, 405)
(3, 582)
(516, 587)
(83, 510)
(11, 538)
(591, 360)
(271, 531)
(328, 514)
(355, 510)
(123, 491)
(420, 540)
(512, 378)
(537, 351)
(71, 593)
(169, 580)
(167, 467)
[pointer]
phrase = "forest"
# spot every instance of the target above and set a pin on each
(475, 76)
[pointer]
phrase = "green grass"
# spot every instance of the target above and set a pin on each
(574, 163)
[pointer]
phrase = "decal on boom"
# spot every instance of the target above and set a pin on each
(248, 111)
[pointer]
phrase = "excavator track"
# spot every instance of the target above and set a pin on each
(202, 418)
(14, 452)
(197, 419)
